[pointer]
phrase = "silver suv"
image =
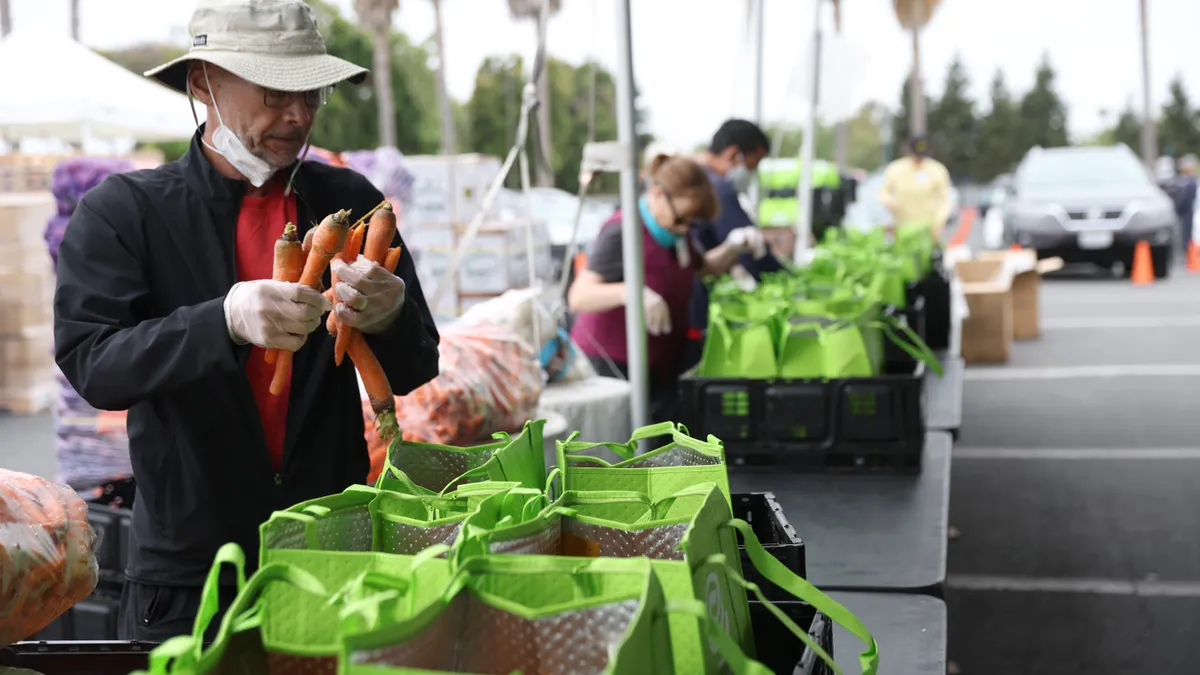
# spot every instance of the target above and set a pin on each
(1090, 204)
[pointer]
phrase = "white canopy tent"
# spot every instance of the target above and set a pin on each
(56, 88)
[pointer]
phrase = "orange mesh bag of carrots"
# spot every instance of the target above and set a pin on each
(490, 381)
(47, 553)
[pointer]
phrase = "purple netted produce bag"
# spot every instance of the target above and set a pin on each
(87, 453)
(72, 179)
(384, 167)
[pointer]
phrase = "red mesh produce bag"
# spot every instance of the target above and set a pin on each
(47, 553)
(490, 381)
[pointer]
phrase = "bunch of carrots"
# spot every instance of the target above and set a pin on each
(47, 553)
(306, 262)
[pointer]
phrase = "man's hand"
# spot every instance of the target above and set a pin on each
(273, 314)
(370, 297)
(748, 240)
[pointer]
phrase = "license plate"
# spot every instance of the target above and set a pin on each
(1095, 240)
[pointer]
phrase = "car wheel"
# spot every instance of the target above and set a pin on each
(1161, 257)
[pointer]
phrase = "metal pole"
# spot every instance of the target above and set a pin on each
(804, 192)
(759, 9)
(631, 228)
(1149, 140)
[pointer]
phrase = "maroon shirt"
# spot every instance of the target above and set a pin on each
(603, 334)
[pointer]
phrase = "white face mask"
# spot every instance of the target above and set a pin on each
(226, 144)
(740, 176)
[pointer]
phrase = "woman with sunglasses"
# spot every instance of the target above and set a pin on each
(679, 194)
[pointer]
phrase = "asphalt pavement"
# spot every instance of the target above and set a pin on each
(1075, 488)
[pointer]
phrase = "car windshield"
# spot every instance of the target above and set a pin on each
(1074, 168)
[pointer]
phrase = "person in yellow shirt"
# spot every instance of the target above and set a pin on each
(916, 189)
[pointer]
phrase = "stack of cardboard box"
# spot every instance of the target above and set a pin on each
(27, 369)
(448, 193)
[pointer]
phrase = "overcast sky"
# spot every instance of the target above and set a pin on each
(693, 64)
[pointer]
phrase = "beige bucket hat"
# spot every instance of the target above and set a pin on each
(272, 43)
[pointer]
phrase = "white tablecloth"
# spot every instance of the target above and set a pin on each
(598, 408)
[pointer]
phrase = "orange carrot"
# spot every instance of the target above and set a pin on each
(380, 231)
(289, 260)
(308, 237)
(328, 239)
(393, 259)
(349, 254)
(379, 390)
(380, 234)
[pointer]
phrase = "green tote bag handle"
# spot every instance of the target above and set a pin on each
(907, 339)
(229, 554)
(777, 573)
(185, 654)
(626, 451)
(729, 650)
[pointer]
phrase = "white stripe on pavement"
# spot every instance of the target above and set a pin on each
(1081, 372)
(1103, 322)
(1080, 453)
(1143, 588)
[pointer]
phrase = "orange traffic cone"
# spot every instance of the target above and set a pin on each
(1142, 273)
(1193, 257)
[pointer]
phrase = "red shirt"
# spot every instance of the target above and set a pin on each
(260, 224)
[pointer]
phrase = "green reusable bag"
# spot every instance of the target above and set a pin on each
(535, 615)
(659, 473)
(737, 347)
(239, 648)
(364, 519)
(437, 468)
(823, 347)
(683, 533)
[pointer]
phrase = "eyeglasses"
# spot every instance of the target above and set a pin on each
(674, 211)
(313, 98)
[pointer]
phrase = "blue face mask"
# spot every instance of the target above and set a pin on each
(662, 235)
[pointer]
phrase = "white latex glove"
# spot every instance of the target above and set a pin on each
(658, 314)
(748, 240)
(370, 297)
(273, 314)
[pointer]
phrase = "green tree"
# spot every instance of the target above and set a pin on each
(864, 136)
(1177, 129)
(997, 150)
(493, 112)
(1128, 129)
(953, 127)
(1043, 113)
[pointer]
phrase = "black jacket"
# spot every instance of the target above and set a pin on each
(139, 324)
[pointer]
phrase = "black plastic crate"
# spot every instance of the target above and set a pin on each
(864, 423)
(112, 531)
(92, 619)
(75, 658)
(935, 289)
(776, 535)
(781, 651)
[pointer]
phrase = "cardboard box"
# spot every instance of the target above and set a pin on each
(988, 332)
(23, 218)
(1026, 272)
(449, 189)
(32, 346)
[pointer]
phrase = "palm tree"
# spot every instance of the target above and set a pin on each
(5, 19)
(532, 10)
(1149, 135)
(443, 94)
(75, 20)
(375, 16)
(913, 16)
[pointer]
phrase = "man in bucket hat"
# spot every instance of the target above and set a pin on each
(165, 307)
